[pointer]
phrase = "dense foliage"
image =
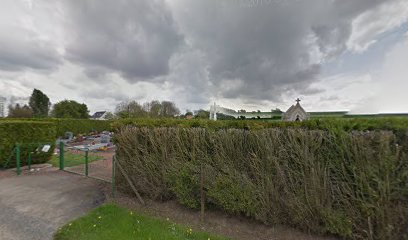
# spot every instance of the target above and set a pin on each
(76, 126)
(18, 111)
(70, 109)
(39, 103)
(29, 134)
(153, 109)
(395, 124)
(80, 126)
(202, 114)
(352, 184)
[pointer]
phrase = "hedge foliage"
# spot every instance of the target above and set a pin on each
(354, 185)
(76, 126)
(81, 126)
(29, 134)
(395, 124)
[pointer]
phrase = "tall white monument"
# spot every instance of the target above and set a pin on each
(213, 112)
(2, 107)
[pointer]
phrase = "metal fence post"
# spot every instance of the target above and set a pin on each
(18, 162)
(86, 162)
(29, 160)
(61, 156)
(113, 175)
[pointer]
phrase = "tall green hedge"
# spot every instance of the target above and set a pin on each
(81, 126)
(395, 124)
(354, 185)
(28, 134)
(77, 126)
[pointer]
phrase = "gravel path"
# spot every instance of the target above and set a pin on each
(35, 206)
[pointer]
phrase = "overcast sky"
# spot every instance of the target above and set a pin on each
(251, 54)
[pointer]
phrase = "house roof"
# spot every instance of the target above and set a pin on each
(98, 114)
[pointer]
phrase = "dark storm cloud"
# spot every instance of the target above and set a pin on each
(21, 46)
(268, 47)
(249, 50)
(19, 54)
(134, 38)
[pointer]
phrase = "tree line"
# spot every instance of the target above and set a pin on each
(39, 106)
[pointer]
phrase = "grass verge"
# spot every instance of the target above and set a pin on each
(112, 222)
(73, 159)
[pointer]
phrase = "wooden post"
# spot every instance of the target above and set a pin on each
(86, 162)
(202, 191)
(113, 176)
(130, 182)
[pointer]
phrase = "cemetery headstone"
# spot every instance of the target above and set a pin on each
(68, 135)
(105, 138)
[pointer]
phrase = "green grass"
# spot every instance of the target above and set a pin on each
(112, 222)
(73, 159)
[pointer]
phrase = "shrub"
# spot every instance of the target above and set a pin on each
(28, 134)
(76, 126)
(336, 125)
(81, 126)
(350, 184)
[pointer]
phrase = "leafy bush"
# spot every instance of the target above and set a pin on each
(352, 184)
(77, 126)
(81, 126)
(336, 125)
(29, 134)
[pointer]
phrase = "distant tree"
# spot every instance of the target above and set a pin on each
(202, 114)
(277, 110)
(131, 109)
(153, 109)
(169, 109)
(109, 116)
(221, 116)
(39, 103)
(189, 114)
(70, 109)
(17, 111)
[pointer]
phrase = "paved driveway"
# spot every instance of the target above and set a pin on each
(35, 206)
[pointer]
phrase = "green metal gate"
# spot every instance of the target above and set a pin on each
(85, 168)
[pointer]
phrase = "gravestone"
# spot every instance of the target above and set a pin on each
(105, 138)
(68, 135)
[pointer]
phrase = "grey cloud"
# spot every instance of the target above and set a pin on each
(249, 50)
(17, 55)
(134, 38)
(267, 48)
(21, 47)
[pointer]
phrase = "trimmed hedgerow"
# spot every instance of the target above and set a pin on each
(395, 124)
(29, 134)
(353, 184)
(76, 126)
(81, 126)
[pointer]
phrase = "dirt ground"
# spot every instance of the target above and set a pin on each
(35, 170)
(237, 228)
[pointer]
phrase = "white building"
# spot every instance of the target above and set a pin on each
(295, 113)
(2, 107)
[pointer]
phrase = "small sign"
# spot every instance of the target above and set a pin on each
(46, 148)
